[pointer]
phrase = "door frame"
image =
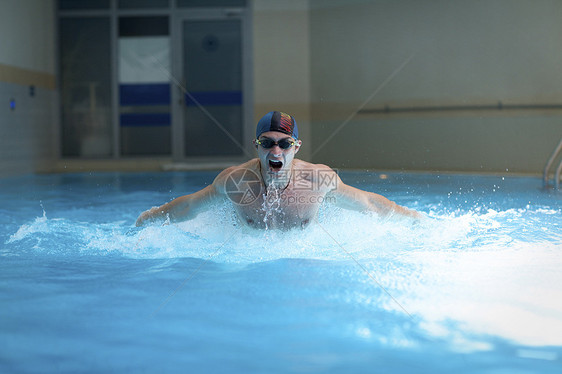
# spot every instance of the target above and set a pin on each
(176, 80)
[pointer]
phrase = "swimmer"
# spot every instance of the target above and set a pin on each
(275, 190)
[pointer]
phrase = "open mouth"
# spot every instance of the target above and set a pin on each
(275, 165)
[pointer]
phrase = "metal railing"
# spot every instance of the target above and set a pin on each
(558, 170)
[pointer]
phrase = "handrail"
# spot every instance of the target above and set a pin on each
(549, 164)
(557, 176)
(499, 106)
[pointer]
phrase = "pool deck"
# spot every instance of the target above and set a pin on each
(152, 164)
(139, 165)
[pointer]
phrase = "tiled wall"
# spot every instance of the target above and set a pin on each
(27, 129)
(27, 119)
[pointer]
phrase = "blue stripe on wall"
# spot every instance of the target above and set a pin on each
(145, 119)
(209, 98)
(144, 94)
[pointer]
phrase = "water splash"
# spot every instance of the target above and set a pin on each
(364, 236)
(39, 225)
(462, 275)
(271, 207)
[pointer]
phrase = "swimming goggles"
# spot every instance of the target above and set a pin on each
(268, 143)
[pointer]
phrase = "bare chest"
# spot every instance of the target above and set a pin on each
(281, 210)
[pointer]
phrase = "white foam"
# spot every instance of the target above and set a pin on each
(39, 225)
(462, 275)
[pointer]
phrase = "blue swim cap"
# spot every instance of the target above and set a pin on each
(277, 121)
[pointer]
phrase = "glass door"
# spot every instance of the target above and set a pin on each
(209, 94)
(144, 86)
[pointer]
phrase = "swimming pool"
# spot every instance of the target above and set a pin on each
(475, 288)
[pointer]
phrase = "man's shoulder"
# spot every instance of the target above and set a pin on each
(251, 165)
(304, 165)
(236, 173)
(323, 177)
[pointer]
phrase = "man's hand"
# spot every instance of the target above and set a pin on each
(150, 215)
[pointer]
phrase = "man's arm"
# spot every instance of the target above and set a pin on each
(180, 209)
(352, 198)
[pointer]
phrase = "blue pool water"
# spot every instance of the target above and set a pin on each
(476, 288)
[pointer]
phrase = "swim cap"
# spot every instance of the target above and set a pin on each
(277, 121)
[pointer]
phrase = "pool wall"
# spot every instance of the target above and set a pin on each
(441, 85)
(28, 106)
(409, 85)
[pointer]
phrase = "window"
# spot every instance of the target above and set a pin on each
(144, 86)
(86, 87)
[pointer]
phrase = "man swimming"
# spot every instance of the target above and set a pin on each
(275, 190)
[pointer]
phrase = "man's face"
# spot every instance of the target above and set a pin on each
(276, 160)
